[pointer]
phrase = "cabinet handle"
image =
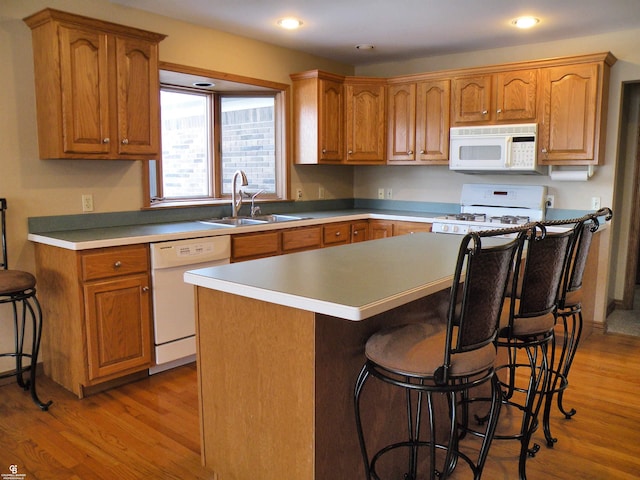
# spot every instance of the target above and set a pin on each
(350, 152)
(117, 264)
(355, 234)
(544, 150)
(324, 150)
(484, 112)
(337, 234)
(499, 110)
(422, 152)
(145, 289)
(125, 141)
(106, 140)
(410, 152)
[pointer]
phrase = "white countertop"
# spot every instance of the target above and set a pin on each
(353, 282)
(161, 232)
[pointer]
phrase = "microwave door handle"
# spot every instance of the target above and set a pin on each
(509, 146)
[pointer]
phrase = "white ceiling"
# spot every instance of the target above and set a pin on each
(400, 29)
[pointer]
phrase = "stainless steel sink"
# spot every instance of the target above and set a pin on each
(257, 220)
(277, 218)
(234, 222)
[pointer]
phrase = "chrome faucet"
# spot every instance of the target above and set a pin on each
(236, 197)
(255, 210)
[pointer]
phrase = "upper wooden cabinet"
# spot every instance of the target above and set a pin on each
(508, 96)
(365, 121)
(97, 88)
(566, 97)
(418, 123)
(573, 122)
(318, 106)
(338, 120)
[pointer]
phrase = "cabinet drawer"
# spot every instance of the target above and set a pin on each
(301, 238)
(336, 233)
(116, 261)
(255, 245)
(404, 228)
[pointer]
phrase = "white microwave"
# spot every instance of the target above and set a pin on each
(495, 149)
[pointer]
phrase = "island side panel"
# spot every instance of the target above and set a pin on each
(256, 387)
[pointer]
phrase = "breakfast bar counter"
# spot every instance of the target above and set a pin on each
(281, 342)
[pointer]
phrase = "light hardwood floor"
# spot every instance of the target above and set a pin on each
(149, 429)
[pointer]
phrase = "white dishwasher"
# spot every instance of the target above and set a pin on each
(173, 299)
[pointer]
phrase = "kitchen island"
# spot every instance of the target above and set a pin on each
(281, 342)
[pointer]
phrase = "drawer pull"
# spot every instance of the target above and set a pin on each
(105, 140)
(125, 141)
(117, 264)
(337, 234)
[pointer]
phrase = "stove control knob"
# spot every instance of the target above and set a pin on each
(445, 228)
(454, 228)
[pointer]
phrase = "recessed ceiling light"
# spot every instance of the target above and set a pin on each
(364, 46)
(290, 23)
(525, 22)
(204, 84)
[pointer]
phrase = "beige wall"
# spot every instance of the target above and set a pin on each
(35, 187)
(39, 188)
(54, 187)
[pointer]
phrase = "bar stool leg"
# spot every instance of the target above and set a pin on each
(30, 308)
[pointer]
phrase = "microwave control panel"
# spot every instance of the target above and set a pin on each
(523, 151)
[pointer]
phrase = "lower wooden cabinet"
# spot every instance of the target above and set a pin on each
(386, 228)
(96, 314)
(404, 228)
(336, 234)
(118, 325)
(303, 238)
(249, 246)
(359, 231)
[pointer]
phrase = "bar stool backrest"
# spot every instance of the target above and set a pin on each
(538, 287)
(476, 302)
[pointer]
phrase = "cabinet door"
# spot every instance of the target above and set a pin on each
(359, 231)
(471, 97)
(380, 229)
(118, 322)
(85, 87)
(432, 121)
(137, 96)
(331, 121)
(365, 123)
(568, 128)
(516, 95)
(401, 123)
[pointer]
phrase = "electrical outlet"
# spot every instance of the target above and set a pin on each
(595, 203)
(320, 192)
(298, 194)
(381, 194)
(550, 201)
(87, 203)
(389, 194)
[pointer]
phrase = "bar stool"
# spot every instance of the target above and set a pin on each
(18, 289)
(569, 311)
(448, 363)
(527, 327)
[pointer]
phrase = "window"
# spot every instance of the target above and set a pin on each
(208, 135)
